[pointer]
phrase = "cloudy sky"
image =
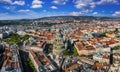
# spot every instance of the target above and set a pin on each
(21, 9)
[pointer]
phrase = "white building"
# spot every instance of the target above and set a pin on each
(22, 33)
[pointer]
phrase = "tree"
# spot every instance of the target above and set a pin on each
(116, 48)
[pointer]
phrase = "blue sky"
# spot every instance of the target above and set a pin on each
(21, 9)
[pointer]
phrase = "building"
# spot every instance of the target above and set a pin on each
(38, 46)
(41, 62)
(4, 35)
(11, 61)
(83, 48)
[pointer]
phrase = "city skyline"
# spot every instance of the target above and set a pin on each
(24, 9)
(59, 35)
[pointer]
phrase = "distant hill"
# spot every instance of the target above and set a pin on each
(76, 18)
(65, 18)
(14, 22)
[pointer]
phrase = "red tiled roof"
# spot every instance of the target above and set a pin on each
(35, 58)
(84, 46)
(106, 56)
(72, 67)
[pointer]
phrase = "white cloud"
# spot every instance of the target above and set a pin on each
(107, 1)
(80, 5)
(60, 2)
(84, 4)
(37, 4)
(27, 15)
(24, 11)
(21, 2)
(53, 7)
(75, 13)
(6, 1)
(83, 12)
(95, 13)
(86, 11)
(117, 13)
(90, 4)
(10, 8)
(3, 14)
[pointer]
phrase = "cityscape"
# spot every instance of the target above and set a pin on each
(82, 38)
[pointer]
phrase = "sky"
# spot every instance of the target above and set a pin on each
(30, 9)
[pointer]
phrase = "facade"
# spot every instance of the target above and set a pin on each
(3, 35)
